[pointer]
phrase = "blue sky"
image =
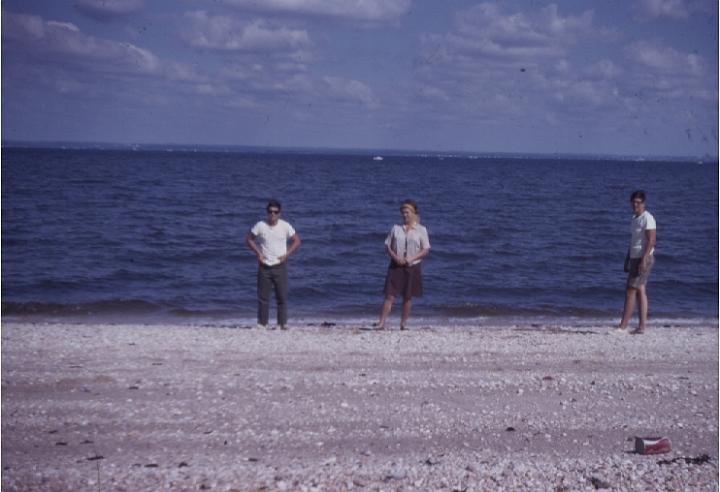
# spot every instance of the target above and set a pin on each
(607, 76)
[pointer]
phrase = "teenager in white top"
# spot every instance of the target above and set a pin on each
(272, 254)
(638, 262)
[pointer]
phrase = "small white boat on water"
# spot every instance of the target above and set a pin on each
(377, 158)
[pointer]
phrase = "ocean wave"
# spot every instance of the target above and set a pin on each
(667, 259)
(455, 255)
(597, 257)
(202, 313)
(129, 306)
(687, 287)
(472, 310)
(8, 241)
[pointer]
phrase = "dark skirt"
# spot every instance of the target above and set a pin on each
(405, 281)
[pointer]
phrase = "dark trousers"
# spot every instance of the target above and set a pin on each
(275, 276)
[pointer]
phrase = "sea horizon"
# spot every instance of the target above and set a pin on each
(350, 151)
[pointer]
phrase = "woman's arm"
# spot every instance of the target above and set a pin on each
(422, 254)
(393, 256)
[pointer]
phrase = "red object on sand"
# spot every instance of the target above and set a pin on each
(652, 445)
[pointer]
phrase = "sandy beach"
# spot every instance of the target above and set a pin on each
(526, 407)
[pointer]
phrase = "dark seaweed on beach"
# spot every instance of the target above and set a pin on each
(698, 460)
(599, 484)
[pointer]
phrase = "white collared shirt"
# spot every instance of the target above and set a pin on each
(410, 243)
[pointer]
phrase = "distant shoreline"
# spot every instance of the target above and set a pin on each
(370, 152)
(418, 322)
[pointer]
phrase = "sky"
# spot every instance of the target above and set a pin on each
(621, 77)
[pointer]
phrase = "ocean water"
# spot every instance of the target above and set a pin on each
(156, 235)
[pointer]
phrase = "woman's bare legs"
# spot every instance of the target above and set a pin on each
(385, 311)
(407, 303)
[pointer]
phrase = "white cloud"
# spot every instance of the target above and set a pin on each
(64, 25)
(485, 30)
(350, 90)
(561, 66)
(183, 72)
(665, 59)
(62, 41)
(355, 10)
(241, 102)
(267, 66)
(207, 89)
(522, 65)
(585, 95)
(505, 63)
(673, 9)
(604, 69)
(432, 93)
(108, 10)
(502, 62)
(493, 48)
(679, 10)
(228, 33)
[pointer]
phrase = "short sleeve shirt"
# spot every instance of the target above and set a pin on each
(408, 244)
(638, 239)
(272, 240)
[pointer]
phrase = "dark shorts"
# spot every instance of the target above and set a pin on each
(405, 281)
(635, 278)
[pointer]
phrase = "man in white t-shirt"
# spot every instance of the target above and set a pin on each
(268, 239)
(638, 262)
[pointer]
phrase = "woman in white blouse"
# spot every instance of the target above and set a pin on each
(407, 245)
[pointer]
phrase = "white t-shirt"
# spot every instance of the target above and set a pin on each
(408, 244)
(638, 239)
(272, 240)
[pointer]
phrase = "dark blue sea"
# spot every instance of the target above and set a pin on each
(157, 236)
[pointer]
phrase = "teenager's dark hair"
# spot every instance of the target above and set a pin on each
(273, 203)
(638, 194)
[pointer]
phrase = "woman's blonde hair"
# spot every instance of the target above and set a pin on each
(412, 204)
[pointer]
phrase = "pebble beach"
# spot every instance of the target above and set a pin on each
(331, 407)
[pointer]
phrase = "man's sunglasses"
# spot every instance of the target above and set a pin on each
(274, 212)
